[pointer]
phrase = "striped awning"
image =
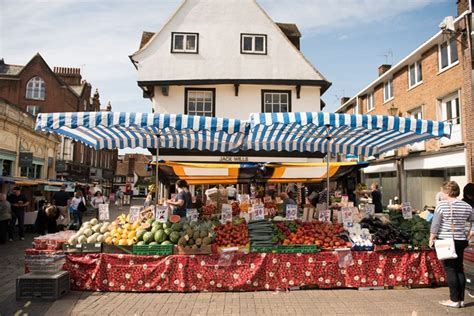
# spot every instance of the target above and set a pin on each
(365, 135)
(118, 130)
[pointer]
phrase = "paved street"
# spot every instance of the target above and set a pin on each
(310, 302)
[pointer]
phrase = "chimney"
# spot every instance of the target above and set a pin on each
(384, 68)
(344, 100)
(71, 76)
(463, 5)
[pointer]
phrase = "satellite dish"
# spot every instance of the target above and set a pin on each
(447, 24)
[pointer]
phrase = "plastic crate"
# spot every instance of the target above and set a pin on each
(117, 249)
(153, 250)
(42, 287)
(263, 249)
(296, 248)
(92, 247)
(44, 264)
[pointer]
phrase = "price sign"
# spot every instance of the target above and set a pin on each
(406, 210)
(226, 213)
(258, 212)
(291, 211)
(104, 212)
(161, 213)
(134, 213)
(347, 219)
(324, 216)
(344, 199)
(192, 215)
(321, 206)
(369, 210)
(267, 199)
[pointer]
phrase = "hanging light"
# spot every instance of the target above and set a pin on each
(393, 111)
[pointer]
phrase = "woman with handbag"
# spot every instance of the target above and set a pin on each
(75, 209)
(450, 238)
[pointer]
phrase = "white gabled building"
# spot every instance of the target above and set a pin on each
(226, 59)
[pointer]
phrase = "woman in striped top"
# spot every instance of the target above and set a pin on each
(449, 221)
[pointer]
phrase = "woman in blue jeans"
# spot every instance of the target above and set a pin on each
(76, 215)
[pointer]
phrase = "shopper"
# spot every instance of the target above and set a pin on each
(98, 199)
(61, 200)
(18, 202)
(468, 194)
(448, 222)
(119, 198)
(5, 217)
(439, 196)
(231, 193)
(76, 214)
(189, 197)
(181, 201)
(148, 200)
(50, 214)
(376, 197)
(287, 200)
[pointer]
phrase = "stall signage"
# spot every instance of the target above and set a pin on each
(234, 159)
(104, 214)
(406, 210)
(347, 216)
(369, 210)
(192, 215)
(321, 206)
(258, 212)
(267, 199)
(226, 215)
(134, 213)
(324, 216)
(291, 211)
(161, 213)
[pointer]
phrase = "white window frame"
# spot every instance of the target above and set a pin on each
(274, 103)
(448, 50)
(33, 109)
(199, 97)
(456, 120)
(370, 102)
(252, 50)
(194, 50)
(418, 73)
(388, 83)
(35, 89)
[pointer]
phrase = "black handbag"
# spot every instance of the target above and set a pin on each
(82, 207)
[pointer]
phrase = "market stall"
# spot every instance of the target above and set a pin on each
(246, 247)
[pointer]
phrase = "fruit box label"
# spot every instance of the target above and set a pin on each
(347, 219)
(134, 213)
(192, 215)
(226, 213)
(291, 212)
(406, 210)
(104, 212)
(369, 210)
(324, 216)
(161, 213)
(258, 212)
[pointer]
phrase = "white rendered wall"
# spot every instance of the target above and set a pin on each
(228, 105)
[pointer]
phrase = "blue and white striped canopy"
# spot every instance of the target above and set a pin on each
(120, 130)
(365, 135)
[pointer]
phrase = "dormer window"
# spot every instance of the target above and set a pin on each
(184, 43)
(253, 44)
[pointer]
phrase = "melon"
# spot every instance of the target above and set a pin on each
(88, 232)
(92, 239)
(166, 225)
(155, 229)
(96, 228)
(140, 234)
(82, 239)
(166, 242)
(148, 237)
(174, 237)
(150, 221)
(160, 236)
(158, 224)
(176, 227)
(168, 231)
(141, 243)
(175, 218)
(100, 238)
(153, 243)
(72, 240)
(94, 221)
(145, 226)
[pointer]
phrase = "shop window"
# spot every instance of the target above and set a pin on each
(448, 54)
(184, 43)
(35, 89)
(274, 101)
(415, 75)
(200, 102)
(253, 44)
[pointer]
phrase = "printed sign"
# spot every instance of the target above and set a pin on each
(161, 213)
(321, 206)
(134, 213)
(369, 210)
(291, 211)
(104, 212)
(267, 199)
(324, 216)
(226, 215)
(192, 215)
(258, 212)
(406, 210)
(347, 216)
(344, 199)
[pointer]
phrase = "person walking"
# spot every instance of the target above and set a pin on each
(18, 202)
(181, 201)
(5, 217)
(119, 198)
(61, 201)
(76, 214)
(450, 217)
(96, 200)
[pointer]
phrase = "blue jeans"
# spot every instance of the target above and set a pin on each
(76, 218)
(20, 215)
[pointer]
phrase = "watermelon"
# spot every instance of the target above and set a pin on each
(145, 226)
(160, 225)
(166, 225)
(166, 242)
(168, 231)
(160, 236)
(150, 221)
(154, 229)
(175, 218)
(153, 243)
(174, 237)
(176, 227)
(141, 243)
(148, 237)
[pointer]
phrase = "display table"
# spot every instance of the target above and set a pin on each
(252, 272)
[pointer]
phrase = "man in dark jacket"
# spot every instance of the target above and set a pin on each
(18, 202)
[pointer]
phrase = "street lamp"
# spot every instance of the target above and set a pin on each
(393, 111)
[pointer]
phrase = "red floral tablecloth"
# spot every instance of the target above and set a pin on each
(252, 272)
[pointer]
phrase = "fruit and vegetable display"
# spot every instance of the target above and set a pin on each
(261, 233)
(384, 233)
(416, 228)
(360, 237)
(235, 208)
(93, 232)
(233, 234)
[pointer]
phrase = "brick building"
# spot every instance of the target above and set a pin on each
(433, 82)
(35, 88)
(133, 170)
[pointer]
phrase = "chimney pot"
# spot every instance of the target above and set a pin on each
(384, 68)
(344, 100)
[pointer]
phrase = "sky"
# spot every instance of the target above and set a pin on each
(346, 40)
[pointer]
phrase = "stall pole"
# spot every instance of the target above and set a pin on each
(156, 170)
(328, 157)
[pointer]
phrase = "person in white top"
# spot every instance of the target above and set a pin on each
(76, 214)
(231, 192)
(439, 196)
(96, 200)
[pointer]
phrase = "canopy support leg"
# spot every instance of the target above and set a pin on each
(328, 157)
(157, 182)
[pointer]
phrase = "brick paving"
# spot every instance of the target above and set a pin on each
(309, 302)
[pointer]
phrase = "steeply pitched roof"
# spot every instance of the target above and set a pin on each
(146, 37)
(290, 29)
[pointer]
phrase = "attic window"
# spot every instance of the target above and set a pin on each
(253, 44)
(184, 43)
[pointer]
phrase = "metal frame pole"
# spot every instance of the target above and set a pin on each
(157, 182)
(328, 157)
